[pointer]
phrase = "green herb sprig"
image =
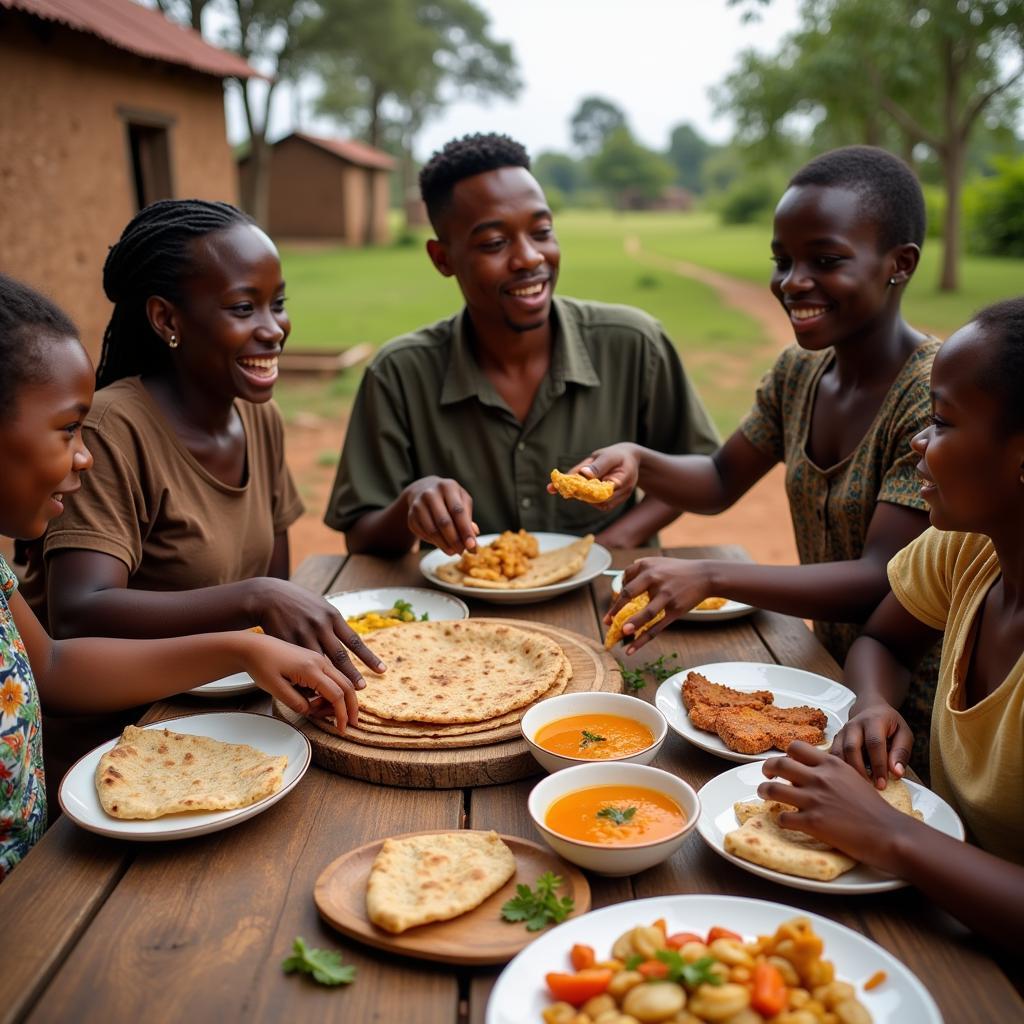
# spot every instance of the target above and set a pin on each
(620, 817)
(690, 975)
(590, 737)
(539, 907)
(324, 964)
(633, 679)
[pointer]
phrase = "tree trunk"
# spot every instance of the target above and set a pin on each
(369, 236)
(255, 191)
(952, 156)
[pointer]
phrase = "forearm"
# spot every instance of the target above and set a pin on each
(829, 592)
(683, 482)
(384, 531)
(118, 611)
(93, 675)
(875, 674)
(635, 528)
(981, 890)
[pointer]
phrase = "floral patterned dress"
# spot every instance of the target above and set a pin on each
(22, 785)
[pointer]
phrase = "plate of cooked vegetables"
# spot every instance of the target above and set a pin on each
(383, 607)
(702, 959)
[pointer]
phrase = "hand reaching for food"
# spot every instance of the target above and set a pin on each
(881, 732)
(441, 513)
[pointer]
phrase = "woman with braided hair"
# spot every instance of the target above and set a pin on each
(181, 527)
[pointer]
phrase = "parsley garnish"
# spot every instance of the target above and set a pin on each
(541, 907)
(324, 964)
(614, 814)
(588, 738)
(634, 962)
(633, 678)
(690, 975)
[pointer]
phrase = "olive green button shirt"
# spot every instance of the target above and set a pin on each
(426, 408)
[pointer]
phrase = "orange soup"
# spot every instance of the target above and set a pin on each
(615, 815)
(594, 737)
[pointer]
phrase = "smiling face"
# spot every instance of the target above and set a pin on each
(41, 447)
(830, 274)
(231, 322)
(497, 240)
(970, 468)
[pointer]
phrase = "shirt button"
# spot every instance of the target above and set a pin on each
(526, 503)
(521, 447)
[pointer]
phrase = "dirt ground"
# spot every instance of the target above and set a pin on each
(760, 522)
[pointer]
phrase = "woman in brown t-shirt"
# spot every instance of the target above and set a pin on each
(190, 490)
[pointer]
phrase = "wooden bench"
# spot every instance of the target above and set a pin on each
(324, 362)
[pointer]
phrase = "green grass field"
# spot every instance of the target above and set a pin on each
(340, 297)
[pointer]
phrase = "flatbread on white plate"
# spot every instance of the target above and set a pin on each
(435, 877)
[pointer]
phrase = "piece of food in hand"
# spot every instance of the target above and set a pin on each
(626, 612)
(573, 485)
(698, 689)
(711, 604)
(153, 772)
(436, 877)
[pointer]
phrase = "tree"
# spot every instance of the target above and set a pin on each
(559, 170)
(629, 172)
(594, 122)
(687, 151)
(925, 69)
(388, 65)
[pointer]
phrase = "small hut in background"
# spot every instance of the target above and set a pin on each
(107, 106)
(334, 190)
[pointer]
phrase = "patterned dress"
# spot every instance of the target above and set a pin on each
(22, 785)
(831, 507)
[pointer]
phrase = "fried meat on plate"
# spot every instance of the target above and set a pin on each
(784, 733)
(744, 730)
(698, 689)
(802, 715)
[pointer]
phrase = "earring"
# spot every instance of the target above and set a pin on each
(892, 281)
(172, 341)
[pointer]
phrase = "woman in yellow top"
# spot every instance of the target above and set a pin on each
(962, 581)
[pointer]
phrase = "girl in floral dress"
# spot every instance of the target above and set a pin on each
(46, 389)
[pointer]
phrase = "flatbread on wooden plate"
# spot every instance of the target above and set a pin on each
(153, 772)
(547, 568)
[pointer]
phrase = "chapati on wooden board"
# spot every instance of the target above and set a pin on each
(548, 567)
(419, 879)
(455, 672)
(153, 772)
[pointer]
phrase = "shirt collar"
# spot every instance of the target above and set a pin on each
(570, 361)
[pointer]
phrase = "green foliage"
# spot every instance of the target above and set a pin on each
(323, 964)
(996, 211)
(632, 175)
(541, 906)
(687, 152)
(748, 200)
(935, 209)
(559, 170)
(594, 122)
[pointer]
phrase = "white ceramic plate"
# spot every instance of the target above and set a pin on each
(520, 995)
(791, 686)
(598, 559)
(717, 818)
(437, 607)
(729, 610)
(229, 686)
(80, 803)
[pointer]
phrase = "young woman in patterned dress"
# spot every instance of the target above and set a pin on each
(839, 409)
(46, 389)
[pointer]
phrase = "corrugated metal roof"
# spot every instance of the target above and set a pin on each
(353, 151)
(138, 30)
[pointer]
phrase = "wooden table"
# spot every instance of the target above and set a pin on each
(95, 929)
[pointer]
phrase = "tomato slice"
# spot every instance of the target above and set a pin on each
(722, 933)
(653, 970)
(582, 957)
(769, 996)
(576, 989)
(680, 939)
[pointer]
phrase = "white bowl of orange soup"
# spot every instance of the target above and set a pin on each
(615, 819)
(580, 728)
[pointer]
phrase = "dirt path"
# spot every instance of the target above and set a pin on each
(760, 522)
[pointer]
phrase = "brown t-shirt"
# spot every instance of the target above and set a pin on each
(148, 502)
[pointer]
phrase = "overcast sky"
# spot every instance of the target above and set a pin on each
(656, 59)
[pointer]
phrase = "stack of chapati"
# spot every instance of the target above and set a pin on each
(456, 684)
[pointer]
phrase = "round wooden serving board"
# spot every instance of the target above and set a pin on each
(500, 755)
(474, 938)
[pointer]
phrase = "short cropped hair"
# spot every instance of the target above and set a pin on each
(462, 158)
(1003, 375)
(27, 321)
(888, 189)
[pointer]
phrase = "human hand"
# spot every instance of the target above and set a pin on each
(674, 585)
(302, 679)
(834, 804)
(618, 463)
(883, 732)
(300, 617)
(441, 513)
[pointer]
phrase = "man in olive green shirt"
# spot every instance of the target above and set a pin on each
(457, 426)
